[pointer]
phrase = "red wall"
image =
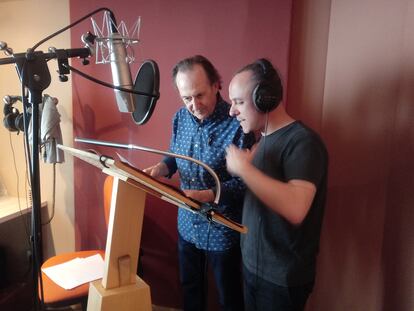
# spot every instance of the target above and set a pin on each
(231, 34)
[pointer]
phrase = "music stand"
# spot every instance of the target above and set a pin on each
(120, 287)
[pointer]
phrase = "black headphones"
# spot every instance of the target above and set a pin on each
(13, 119)
(268, 93)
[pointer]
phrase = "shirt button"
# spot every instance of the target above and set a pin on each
(192, 179)
(196, 145)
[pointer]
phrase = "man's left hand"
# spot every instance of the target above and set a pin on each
(203, 196)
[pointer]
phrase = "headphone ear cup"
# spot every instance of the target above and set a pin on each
(18, 122)
(9, 121)
(265, 97)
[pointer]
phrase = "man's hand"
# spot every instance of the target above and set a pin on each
(238, 159)
(157, 170)
(203, 196)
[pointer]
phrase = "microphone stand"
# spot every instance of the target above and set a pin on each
(35, 76)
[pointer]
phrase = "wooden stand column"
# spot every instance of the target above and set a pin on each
(121, 288)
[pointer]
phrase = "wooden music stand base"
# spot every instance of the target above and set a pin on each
(130, 297)
(120, 287)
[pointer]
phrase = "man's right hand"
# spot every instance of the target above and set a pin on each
(158, 170)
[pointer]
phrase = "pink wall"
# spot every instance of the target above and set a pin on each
(351, 76)
(231, 34)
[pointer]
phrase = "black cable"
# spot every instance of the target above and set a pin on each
(53, 197)
(26, 126)
(205, 277)
(106, 84)
(259, 227)
(25, 225)
(33, 239)
(70, 26)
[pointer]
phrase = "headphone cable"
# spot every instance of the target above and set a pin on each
(259, 227)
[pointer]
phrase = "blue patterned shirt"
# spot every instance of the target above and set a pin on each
(206, 141)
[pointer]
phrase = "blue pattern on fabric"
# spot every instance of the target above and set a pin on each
(206, 141)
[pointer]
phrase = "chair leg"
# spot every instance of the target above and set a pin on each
(84, 303)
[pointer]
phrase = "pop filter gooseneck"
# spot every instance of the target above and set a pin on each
(147, 81)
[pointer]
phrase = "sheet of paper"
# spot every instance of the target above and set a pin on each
(123, 159)
(76, 272)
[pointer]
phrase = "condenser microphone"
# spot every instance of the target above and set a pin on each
(121, 74)
(138, 98)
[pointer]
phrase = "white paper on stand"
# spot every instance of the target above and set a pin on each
(76, 272)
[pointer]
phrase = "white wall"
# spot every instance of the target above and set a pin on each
(22, 24)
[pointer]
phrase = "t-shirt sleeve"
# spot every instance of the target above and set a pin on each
(306, 159)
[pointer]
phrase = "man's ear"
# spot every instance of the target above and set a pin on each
(216, 87)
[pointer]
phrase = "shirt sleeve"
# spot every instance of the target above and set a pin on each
(171, 161)
(307, 159)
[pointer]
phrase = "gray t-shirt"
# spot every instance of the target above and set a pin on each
(274, 249)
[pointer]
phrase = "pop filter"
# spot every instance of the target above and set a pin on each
(147, 81)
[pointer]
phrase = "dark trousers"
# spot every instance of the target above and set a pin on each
(261, 295)
(227, 273)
